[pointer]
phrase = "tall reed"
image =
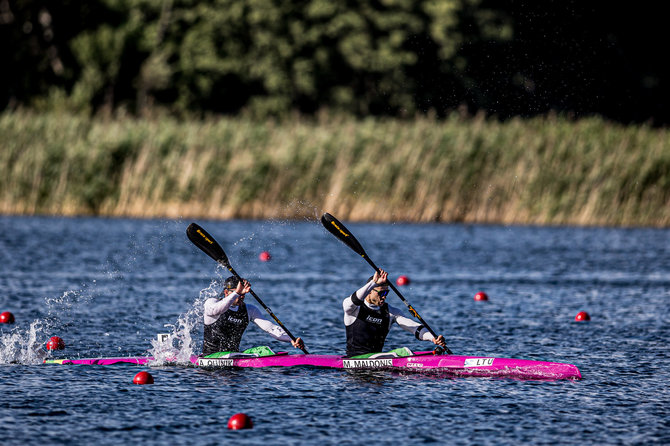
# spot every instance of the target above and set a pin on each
(547, 170)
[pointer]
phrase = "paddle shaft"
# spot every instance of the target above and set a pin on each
(409, 306)
(402, 298)
(276, 319)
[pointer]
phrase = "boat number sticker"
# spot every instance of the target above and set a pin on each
(414, 364)
(478, 362)
(215, 362)
(366, 363)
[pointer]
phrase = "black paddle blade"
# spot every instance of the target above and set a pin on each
(335, 227)
(206, 242)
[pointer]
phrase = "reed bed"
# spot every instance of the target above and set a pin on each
(547, 170)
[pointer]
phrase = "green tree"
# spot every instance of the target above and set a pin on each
(265, 56)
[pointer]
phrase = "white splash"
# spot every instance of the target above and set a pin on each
(179, 345)
(22, 347)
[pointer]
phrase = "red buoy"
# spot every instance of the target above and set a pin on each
(55, 343)
(143, 378)
(481, 296)
(582, 316)
(402, 281)
(240, 421)
(6, 318)
(264, 256)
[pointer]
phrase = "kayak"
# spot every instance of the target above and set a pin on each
(419, 362)
(425, 362)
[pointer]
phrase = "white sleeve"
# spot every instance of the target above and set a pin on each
(216, 307)
(352, 304)
(363, 291)
(409, 325)
(273, 330)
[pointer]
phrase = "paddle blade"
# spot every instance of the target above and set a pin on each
(206, 243)
(335, 227)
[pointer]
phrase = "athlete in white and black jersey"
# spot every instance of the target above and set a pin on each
(227, 318)
(368, 318)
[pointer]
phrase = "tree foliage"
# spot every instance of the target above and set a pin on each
(269, 57)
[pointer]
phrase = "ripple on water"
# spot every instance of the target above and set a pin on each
(110, 290)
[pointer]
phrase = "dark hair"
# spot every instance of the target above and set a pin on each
(379, 284)
(231, 283)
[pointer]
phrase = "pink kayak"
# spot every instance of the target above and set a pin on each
(419, 362)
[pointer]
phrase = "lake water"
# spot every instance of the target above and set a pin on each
(108, 286)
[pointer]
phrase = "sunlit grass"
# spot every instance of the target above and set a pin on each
(542, 171)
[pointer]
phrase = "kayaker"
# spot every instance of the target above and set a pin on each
(227, 316)
(368, 318)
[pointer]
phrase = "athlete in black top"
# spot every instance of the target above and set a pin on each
(368, 318)
(227, 317)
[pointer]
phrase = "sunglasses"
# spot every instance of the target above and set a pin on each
(383, 293)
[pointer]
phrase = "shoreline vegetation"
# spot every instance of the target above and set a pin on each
(545, 171)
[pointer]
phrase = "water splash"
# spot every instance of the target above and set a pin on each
(23, 347)
(179, 346)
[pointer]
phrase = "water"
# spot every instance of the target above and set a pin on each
(108, 286)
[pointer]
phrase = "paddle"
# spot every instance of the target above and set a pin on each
(209, 246)
(335, 227)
